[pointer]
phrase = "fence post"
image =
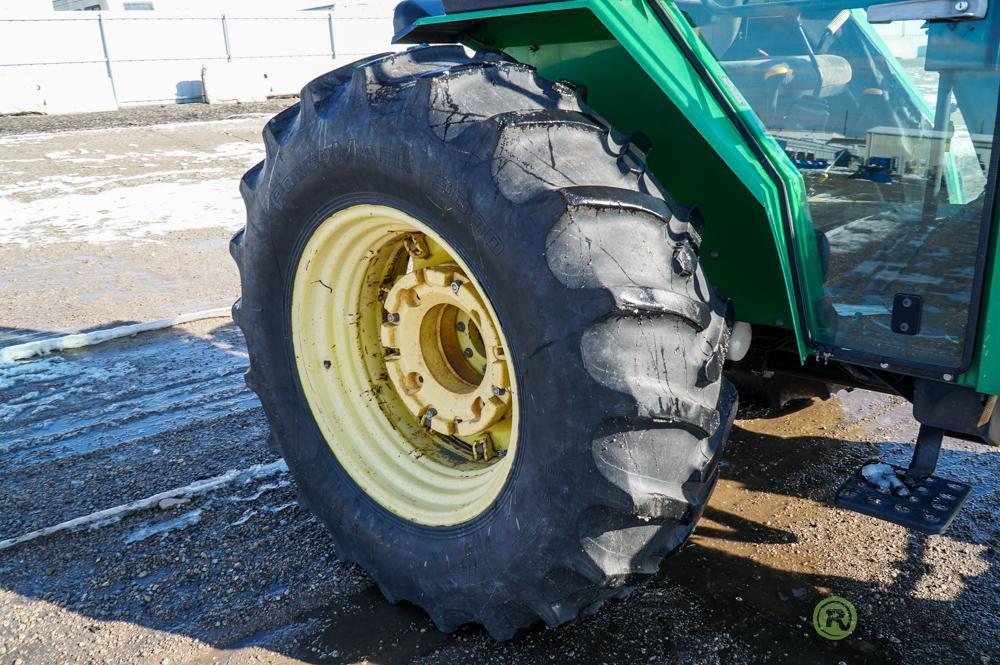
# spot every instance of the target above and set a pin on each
(107, 55)
(333, 47)
(225, 36)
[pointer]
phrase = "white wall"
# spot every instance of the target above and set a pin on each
(243, 7)
(83, 61)
(20, 7)
(906, 40)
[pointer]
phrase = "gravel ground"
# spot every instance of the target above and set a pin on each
(242, 574)
(136, 116)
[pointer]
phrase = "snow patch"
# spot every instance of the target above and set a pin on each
(860, 234)
(54, 369)
(140, 212)
(883, 476)
(72, 183)
(849, 310)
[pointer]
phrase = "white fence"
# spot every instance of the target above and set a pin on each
(86, 61)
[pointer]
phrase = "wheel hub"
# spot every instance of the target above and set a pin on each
(445, 357)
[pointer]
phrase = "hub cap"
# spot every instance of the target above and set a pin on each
(450, 369)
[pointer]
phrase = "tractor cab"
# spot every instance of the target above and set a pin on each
(889, 117)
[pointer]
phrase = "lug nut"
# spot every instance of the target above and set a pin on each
(498, 391)
(468, 353)
(392, 317)
(460, 327)
(456, 285)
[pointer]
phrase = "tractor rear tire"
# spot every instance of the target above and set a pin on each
(615, 338)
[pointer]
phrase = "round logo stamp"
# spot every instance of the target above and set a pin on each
(835, 618)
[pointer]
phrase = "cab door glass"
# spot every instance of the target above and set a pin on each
(892, 129)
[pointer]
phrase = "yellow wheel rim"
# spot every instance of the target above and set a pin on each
(404, 366)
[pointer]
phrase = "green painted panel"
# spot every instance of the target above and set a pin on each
(984, 373)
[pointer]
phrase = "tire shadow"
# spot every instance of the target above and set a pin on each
(256, 572)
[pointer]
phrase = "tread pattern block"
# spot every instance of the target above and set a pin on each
(661, 346)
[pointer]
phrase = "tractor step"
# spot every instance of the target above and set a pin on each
(927, 505)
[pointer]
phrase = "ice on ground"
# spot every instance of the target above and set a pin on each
(142, 212)
(112, 515)
(184, 521)
(250, 512)
(31, 380)
(260, 491)
(245, 517)
(43, 347)
(102, 397)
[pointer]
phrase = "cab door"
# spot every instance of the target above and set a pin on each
(892, 127)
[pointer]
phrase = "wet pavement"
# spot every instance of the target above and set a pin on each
(242, 574)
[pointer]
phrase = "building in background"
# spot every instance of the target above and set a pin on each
(202, 7)
(100, 5)
(128, 52)
(19, 7)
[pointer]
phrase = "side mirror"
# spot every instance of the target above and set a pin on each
(929, 10)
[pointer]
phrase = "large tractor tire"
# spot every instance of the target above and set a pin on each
(481, 336)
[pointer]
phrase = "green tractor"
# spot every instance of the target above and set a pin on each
(494, 289)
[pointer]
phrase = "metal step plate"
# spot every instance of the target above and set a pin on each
(929, 508)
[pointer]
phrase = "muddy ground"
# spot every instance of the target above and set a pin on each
(117, 223)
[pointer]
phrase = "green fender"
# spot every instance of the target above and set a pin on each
(637, 61)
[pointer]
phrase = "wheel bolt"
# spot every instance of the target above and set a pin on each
(456, 285)
(460, 327)
(468, 353)
(392, 317)
(498, 391)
